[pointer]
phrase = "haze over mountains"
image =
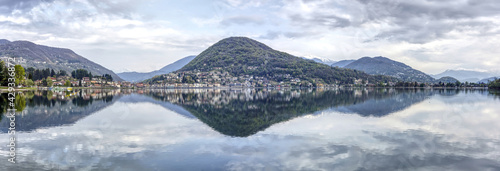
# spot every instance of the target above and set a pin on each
(41, 57)
(139, 76)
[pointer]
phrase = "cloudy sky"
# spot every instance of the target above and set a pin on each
(145, 35)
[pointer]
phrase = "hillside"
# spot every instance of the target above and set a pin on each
(138, 76)
(243, 56)
(464, 75)
(41, 57)
(388, 67)
(446, 80)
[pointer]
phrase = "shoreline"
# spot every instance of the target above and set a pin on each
(3, 89)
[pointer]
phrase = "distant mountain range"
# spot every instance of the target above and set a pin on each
(385, 66)
(487, 80)
(342, 63)
(244, 56)
(464, 75)
(41, 57)
(321, 60)
(138, 76)
(241, 56)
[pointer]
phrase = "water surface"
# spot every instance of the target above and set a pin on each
(256, 129)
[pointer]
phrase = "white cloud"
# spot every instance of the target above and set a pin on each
(431, 36)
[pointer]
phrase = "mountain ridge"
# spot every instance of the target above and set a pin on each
(385, 66)
(464, 75)
(41, 57)
(342, 63)
(244, 56)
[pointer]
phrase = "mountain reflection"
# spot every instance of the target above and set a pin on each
(238, 113)
(243, 113)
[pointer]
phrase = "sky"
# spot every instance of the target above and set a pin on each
(145, 35)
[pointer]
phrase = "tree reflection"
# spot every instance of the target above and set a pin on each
(47, 109)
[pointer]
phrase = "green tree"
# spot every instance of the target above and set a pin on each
(4, 74)
(494, 84)
(187, 79)
(20, 102)
(19, 70)
(68, 83)
(49, 82)
(29, 82)
(52, 73)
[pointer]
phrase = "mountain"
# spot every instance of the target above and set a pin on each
(487, 80)
(138, 76)
(241, 56)
(382, 103)
(388, 67)
(321, 60)
(226, 112)
(464, 75)
(446, 80)
(155, 99)
(342, 63)
(41, 57)
(4, 41)
(324, 61)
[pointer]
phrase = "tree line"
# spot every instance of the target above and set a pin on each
(39, 74)
(26, 77)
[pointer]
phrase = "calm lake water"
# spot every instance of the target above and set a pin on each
(255, 129)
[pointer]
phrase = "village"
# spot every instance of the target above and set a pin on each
(224, 79)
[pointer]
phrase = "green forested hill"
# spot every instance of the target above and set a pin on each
(41, 57)
(244, 56)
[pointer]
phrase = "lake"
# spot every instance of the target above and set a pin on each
(254, 129)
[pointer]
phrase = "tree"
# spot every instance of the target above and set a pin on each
(186, 79)
(52, 73)
(62, 73)
(29, 82)
(68, 83)
(494, 84)
(49, 82)
(107, 77)
(80, 73)
(20, 102)
(4, 75)
(29, 73)
(19, 70)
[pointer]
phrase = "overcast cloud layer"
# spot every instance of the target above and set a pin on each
(128, 35)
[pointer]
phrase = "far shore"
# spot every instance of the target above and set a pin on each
(4, 88)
